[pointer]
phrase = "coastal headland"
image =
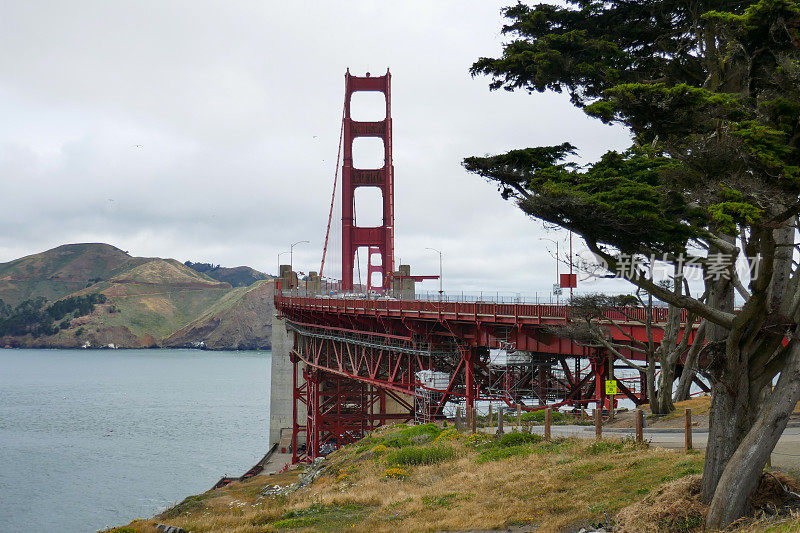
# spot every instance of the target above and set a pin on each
(95, 295)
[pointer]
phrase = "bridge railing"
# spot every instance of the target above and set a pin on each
(361, 304)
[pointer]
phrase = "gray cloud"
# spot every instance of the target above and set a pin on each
(237, 108)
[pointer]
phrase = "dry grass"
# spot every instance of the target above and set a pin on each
(676, 507)
(700, 405)
(554, 486)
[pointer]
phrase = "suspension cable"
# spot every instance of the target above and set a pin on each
(333, 195)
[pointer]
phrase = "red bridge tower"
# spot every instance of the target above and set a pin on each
(377, 240)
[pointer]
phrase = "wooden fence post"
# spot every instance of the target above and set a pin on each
(489, 423)
(548, 419)
(458, 418)
(500, 420)
(598, 424)
(474, 421)
(687, 417)
(519, 415)
(639, 425)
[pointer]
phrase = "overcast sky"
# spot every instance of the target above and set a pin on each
(237, 108)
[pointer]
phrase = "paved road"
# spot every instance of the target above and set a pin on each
(786, 454)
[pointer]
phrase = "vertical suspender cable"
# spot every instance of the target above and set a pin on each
(333, 196)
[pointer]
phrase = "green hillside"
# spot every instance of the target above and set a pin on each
(61, 271)
(241, 276)
(146, 301)
(242, 319)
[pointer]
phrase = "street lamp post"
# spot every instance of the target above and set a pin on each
(441, 290)
(558, 278)
(279, 261)
(291, 260)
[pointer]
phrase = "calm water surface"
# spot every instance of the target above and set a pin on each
(96, 438)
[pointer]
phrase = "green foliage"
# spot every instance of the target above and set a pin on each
(201, 267)
(537, 417)
(445, 501)
(497, 453)
(76, 305)
(617, 201)
(36, 318)
(516, 438)
(407, 436)
(711, 95)
(603, 447)
(319, 516)
(237, 277)
(420, 455)
(553, 446)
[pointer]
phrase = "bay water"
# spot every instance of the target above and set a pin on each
(95, 438)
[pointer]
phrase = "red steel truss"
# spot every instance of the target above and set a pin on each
(353, 351)
(336, 411)
(359, 363)
(378, 239)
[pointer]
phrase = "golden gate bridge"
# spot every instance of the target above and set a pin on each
(365, 355)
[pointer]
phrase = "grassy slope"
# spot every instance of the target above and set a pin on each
(155, 298)
(149, 299)
(447, 482)
(241, 317)
(567, 483)
(63, 270)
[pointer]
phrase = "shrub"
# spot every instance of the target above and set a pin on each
(420, 455)
(449, 434)
(478, 440)
(413, 435)
(537, 417)
(553, 446)
(606, 446)
(395, 472)
(379, 449)
(496, 453)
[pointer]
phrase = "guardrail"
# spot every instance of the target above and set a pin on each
(471, 311)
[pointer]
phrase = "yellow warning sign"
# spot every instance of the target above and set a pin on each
(611, 387)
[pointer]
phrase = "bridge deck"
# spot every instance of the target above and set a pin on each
(500, 313)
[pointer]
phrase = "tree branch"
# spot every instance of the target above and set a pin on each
(716, 316)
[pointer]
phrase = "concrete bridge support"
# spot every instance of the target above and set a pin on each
(281, 387)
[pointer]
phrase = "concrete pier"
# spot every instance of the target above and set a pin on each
(280, 406)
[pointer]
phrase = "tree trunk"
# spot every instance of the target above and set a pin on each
(690, 365)
(728, 424)
(684, 388)
(663, 402)
(743, 471)
(650, 379)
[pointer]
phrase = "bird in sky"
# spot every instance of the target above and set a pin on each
(137, 146)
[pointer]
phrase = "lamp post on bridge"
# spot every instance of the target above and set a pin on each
(291, 260)
(441, 290)
(279, 261)
(558, 279)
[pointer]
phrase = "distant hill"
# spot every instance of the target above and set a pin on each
(61, 271)
(241, 276)
(238, 319)
(147, 301)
